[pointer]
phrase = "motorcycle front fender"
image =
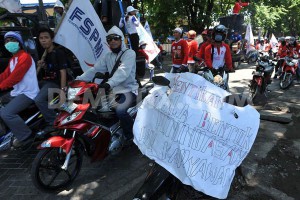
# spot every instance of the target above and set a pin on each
(258, 80)
(157, 183)
(57, 142)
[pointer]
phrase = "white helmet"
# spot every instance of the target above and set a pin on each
(59, 4)
(131, 9)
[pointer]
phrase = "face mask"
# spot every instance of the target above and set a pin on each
(12, 47)
(218, 38)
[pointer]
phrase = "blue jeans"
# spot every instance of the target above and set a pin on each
(125, 101)
(9, 114)
(41, 101)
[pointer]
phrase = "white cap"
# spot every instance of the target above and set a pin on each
(131, 9)
(179, 30)
(59, 4)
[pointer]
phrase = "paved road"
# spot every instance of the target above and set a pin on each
(118, 177)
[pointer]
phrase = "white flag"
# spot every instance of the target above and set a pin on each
(250, 39)
(147, 28)
(13, 6)
(151, 48)
(273, 41)
(82, 32)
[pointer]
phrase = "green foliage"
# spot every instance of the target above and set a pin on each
(280, 17)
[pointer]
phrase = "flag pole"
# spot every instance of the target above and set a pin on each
(58, 25)
(43, 13)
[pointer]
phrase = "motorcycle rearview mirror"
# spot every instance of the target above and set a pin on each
(161, 80)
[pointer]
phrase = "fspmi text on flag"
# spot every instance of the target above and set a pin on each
(87, 29)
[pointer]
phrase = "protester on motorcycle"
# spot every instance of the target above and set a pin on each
(52, 71)
(282, 53)
(294, 50)
(180, 52)
(20, 75)
(193, 46)
(218, 53)
(122, 82)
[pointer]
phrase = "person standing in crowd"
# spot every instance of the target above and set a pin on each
(20, 75)
(201, 53)
(131, 23)
(235, 37)
(53, 75)
(180, 52)
(193, 47)
(58, 11)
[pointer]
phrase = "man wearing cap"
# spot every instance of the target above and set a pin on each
(20, 75)
(193, 47)
(180, 53)
(131, 23)
(58, 11)
(122, 82)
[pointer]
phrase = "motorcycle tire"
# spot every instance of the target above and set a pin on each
(48, 162)
(286, 81)
(187, 192)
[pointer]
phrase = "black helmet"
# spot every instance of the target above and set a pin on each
(219, 33)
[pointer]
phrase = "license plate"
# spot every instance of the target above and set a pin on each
(68, 107)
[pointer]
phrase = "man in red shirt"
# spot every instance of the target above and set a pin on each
(282, 53)
(200, 54)
(238, 6)
(193, 47)
(180, 52)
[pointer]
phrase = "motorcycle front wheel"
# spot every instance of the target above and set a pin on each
(47, 173)
(286, 81)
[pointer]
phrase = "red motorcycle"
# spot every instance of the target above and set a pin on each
(288, 71)
(261, 77)
(85, 129)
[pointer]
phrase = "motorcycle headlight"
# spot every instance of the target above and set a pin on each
(218, 79)
(70, 118)
(72, 93)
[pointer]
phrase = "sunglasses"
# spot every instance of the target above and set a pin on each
(115, 37)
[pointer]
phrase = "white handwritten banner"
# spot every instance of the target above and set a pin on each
(195, 135)
(83, 33)
(151, 48)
